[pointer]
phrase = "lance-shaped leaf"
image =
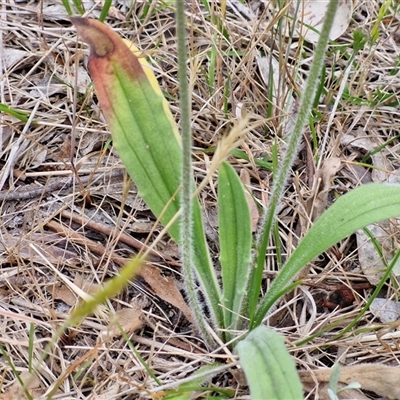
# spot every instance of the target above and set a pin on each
(235, 243)
(362, 206)
(145, 136)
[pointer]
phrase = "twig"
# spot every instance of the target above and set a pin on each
(29, 192)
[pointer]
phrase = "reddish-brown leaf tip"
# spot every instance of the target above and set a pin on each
(110, 62)
(95, 34)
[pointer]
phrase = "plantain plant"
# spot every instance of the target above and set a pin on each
(158, 160)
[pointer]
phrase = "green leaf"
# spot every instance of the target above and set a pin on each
(146, 139)
(269, 368)
(334, 378)
(362, 206)
(21, 115)
(106, 8)
(235, 243)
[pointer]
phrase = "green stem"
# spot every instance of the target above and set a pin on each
(283, 172)
(186, 231)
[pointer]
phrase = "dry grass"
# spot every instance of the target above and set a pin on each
(85, 221)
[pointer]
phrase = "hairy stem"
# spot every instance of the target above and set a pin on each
(186, 231)
(283, 171)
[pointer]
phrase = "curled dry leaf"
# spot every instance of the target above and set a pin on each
(377, 378)
(166, 289)
(310, 16)
(318, 200)
(322, 186)
(127, 319)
